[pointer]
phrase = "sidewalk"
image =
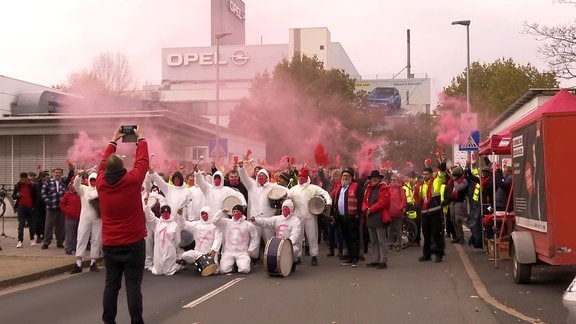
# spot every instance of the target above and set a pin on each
(29, 263)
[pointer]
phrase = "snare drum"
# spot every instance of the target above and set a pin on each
(317, 205)
(206, 265)
(276, 197)
(278, 257)
(229, 202)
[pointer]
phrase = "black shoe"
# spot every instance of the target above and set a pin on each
(438, 259)
(299, 261)
(361, 258)
(372, 264)
(293, 267)
(94, 268)
(330, 253)
(346, 263)
(344, 257)
(424, 258)
(44, 246)
(76, 269)
(382, 266)
(60, 246)
(314, 261)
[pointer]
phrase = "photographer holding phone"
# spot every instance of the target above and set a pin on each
(123, 225)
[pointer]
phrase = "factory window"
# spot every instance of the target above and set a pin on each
(321, 47)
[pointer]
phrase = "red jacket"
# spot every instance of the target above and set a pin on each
(397, 201)
(123, 220)
(71, 205)
(382, 205)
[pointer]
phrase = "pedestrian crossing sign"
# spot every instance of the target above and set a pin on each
(471, 142)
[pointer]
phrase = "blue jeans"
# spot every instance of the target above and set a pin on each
(26, 214)
(127, 260)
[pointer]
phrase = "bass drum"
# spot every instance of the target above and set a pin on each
(229, 202)
(276, 197)
(278, 257)
(206, 265)
(317, 205)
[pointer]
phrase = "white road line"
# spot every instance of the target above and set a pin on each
(212, 293)
(483, 292)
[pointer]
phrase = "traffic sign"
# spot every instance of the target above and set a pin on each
(222, 148)
(471, 142)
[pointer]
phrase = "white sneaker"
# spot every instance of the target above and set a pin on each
(19, 245)
(32, 243)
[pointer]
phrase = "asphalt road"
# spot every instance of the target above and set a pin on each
(408, 291)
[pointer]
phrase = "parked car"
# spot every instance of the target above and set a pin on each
(385, 98)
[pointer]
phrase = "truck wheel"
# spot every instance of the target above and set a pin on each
(521, 272)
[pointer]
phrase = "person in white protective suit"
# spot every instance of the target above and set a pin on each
(166, 240)
(90, 226)
(217, 192)
(156, 198)
(285, 226)
(240, 240)
(301, 195)
(197, 198)
(177, 195)
(207, 236)
(259, 204)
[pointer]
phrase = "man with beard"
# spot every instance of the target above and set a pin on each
(233, 181)
(346, 211)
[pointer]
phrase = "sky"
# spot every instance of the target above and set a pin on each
(44, 41)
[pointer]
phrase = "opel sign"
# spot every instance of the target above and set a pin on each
(236, 11)
(238, 58)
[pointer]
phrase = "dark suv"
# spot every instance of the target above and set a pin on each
(384, 97)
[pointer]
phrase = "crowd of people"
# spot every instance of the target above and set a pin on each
(143, 219)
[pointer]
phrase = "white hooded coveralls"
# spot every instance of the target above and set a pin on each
(258, 202)
(207, 236)
(166, 241)
(285, 227)
(90, 225)
(240, 238)
(301, 195)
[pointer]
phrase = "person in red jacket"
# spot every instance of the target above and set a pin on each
(397, 207)
(71, 206)
(123, 226)
(376, 209)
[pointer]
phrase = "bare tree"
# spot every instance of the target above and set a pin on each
(113, 70)
(560, 49)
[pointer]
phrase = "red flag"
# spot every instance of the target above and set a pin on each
(292, 160)
(320, 156)
(338, 160)
(235, 158)
(248, 153)
(369, 151)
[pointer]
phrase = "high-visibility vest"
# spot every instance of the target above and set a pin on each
(442, 189)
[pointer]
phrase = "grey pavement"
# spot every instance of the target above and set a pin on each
(29, 263)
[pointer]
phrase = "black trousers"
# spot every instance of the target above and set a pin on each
(433, 232)
(127, 261)
(351, 232)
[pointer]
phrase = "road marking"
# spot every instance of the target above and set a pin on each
(212, 293)
(483, 292)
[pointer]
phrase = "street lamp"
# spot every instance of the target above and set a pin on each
(217, 144)
(467, 24)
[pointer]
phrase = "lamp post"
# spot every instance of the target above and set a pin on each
(467, 24)
(217, 62)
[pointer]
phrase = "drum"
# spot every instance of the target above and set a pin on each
(206, 265)
(317, 205)
(276, 197)
(229, 202)
(278, 257)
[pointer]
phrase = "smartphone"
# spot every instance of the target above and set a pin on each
(129, 134)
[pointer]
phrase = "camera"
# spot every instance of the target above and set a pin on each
(129, 134)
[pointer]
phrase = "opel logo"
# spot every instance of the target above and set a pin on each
(239, 58)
